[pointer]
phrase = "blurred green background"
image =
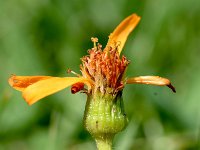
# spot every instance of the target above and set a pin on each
(45, 37)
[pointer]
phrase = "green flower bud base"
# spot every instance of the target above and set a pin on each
(104, 117)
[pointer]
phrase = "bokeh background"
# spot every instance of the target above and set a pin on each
(46, 37)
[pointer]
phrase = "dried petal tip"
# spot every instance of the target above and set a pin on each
(172, 87)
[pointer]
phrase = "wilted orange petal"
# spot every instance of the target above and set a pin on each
(43, 88)
(21, 82)
(152, 80)
(122, 31)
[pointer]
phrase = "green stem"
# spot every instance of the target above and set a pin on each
(104, 143)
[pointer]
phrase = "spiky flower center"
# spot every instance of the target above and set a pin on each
(105, 68)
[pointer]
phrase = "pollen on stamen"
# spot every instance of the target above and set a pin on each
(94, 40)
(71, 71)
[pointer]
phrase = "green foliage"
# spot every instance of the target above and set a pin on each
(47, 37)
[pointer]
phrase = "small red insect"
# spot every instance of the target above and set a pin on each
(77, 87)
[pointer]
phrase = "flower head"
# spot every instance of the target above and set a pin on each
(103, 70)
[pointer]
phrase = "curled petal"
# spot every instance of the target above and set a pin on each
(21, 82)
(43, 88)
(77, 87)
(152, 80)
(35, 88)
(122, 31)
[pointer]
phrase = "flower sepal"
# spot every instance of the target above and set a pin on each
(105, 116)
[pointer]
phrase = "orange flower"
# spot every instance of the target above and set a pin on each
(102, 70)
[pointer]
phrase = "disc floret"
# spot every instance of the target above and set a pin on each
(105, 68)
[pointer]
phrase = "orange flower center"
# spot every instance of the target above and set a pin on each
(105, 68)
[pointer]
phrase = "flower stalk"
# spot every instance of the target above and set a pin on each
(105, 142)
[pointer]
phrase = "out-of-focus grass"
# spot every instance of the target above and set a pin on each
(47, 37)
